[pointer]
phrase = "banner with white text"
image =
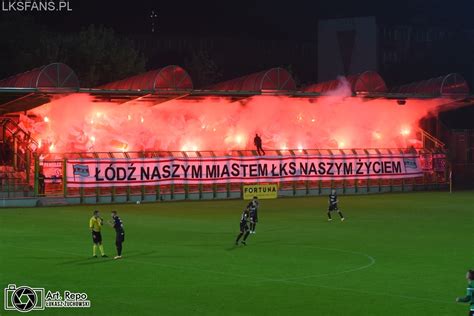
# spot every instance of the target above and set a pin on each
(210, 170)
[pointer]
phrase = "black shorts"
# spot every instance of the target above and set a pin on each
(333, 207)
(120, 237)
(96, 237)
(243, 227)
(253, 217)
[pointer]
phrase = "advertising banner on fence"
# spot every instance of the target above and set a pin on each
(53, 171)
(210, 170)
(262, 191)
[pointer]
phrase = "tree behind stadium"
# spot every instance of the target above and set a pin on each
(97, 54)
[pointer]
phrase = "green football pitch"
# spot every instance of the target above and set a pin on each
(396, 254)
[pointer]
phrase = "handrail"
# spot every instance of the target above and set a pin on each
(436, 141)
(6, 122)
(212, 153)
(21, 160)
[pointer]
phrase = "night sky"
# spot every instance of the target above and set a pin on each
(265, 19)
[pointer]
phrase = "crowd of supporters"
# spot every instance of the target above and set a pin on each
(6, 151)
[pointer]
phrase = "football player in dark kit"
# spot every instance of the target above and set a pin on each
(253, 212)
(333, 205)
(244, 228)
(119, 233)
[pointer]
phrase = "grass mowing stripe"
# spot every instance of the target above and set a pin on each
(262, 279)
(177, 256)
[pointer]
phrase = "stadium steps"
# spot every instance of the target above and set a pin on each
(14, 129)
(13, 183)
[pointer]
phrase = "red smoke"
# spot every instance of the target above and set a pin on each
(77, 124)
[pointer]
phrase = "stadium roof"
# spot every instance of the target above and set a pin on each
(450, 85)
(52, 76)
(171, 77)
(274, 79)
(33, 88)
(38, 86)
(367, 82)
(152, 87)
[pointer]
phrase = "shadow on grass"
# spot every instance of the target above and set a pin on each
(76, 261)
(95, 260)
(92, 260)
(235, 247)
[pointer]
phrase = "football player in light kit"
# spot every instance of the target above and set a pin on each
(333, 205)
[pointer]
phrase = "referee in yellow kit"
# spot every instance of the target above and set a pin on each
(95, 224)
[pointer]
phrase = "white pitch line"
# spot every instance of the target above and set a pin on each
(180, 267)
(365, 266)
(289, 282)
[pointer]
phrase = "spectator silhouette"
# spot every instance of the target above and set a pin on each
(258, 143)
(3, 156)
(8, 151)
(41, 180)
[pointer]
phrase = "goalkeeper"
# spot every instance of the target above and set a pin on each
(469, 298)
